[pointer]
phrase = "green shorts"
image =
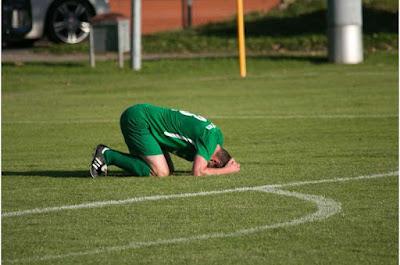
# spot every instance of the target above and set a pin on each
(136, 132)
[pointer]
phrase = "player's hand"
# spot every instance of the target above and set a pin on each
(233, 165)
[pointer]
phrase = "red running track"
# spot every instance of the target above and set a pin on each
(161, 15)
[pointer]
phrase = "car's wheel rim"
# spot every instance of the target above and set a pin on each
(71, 22)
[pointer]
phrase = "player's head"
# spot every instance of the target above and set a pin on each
(220, 158)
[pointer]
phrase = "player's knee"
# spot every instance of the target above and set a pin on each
(158, 165)
(161, 172)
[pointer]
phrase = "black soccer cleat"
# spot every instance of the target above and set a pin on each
(98, 166)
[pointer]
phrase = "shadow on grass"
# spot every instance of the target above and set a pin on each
(301, 58)
(49, 173)
(315, 22)
(74, 173)
(311, 23)
(46, 64)
(281, 56)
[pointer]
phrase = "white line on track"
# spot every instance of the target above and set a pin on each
(223, 117)
(325, 208)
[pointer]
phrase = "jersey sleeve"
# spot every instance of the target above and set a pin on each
(206, 144)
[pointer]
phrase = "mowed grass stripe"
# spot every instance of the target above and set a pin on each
(222, 117)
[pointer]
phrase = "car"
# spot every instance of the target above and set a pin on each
(65, 21)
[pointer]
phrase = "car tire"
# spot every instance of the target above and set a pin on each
(68, 21)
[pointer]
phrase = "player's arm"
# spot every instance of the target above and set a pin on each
(200, 167)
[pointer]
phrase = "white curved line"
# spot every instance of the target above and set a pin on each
(326, 207)
(99, 204)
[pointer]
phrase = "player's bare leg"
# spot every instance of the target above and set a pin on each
(158, 165)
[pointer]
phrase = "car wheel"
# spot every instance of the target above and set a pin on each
(68, 21)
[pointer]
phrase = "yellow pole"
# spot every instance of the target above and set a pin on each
(241, 44)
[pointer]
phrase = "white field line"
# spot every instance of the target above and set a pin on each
(99, 204)
(321, 116)
(332, 180)
(119, 202)
(325, 208)
(222, 117)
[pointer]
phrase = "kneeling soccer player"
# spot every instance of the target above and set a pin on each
(152, 132)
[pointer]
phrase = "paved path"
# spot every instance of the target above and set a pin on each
(27, 55)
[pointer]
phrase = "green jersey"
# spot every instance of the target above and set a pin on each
(176, 131)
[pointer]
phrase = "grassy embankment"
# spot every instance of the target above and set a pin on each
(299, 28)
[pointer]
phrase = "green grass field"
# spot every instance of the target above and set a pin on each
(291, 120)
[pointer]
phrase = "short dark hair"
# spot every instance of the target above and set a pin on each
(223, 156)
